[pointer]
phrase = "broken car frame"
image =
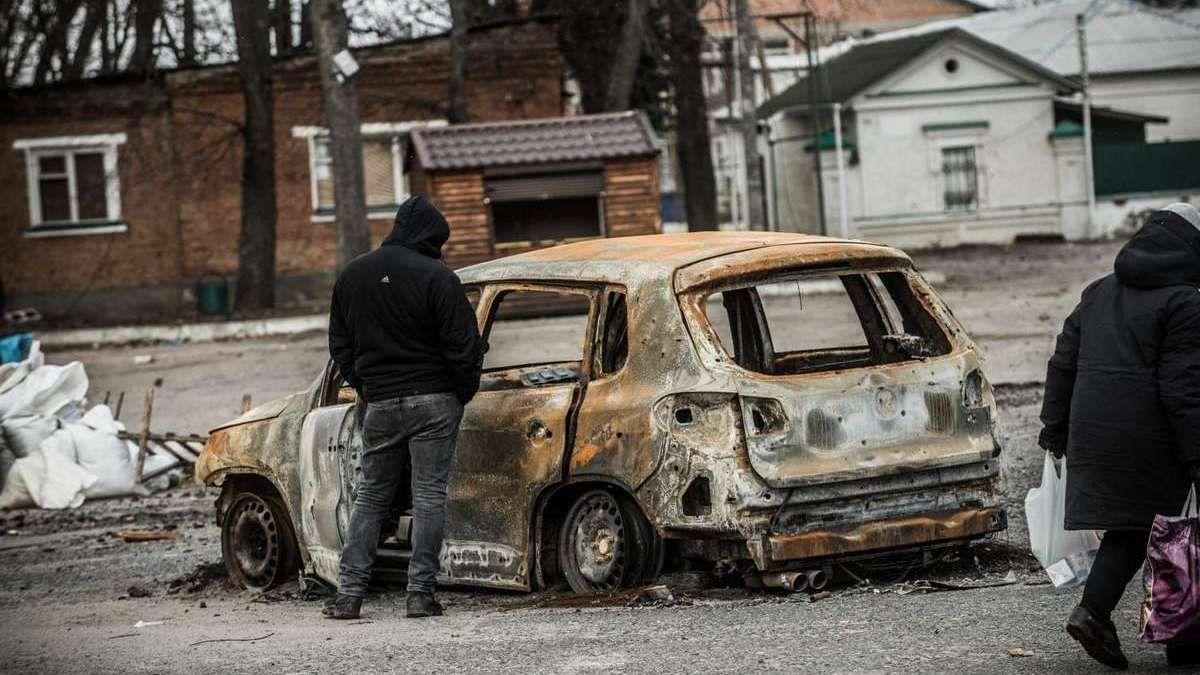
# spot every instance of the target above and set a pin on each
(682, 427)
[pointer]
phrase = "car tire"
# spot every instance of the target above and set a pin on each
(606, 544)
(258, 544)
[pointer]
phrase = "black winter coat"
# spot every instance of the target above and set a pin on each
(400, 323)
(1123, 387)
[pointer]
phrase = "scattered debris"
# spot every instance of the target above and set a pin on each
(144, 624)
(17, 317)
(200, 578)
(930, 586)
(136, 591)
(817, 597)
(131, 536)
(1019, 652)
(253, 639)
(122, 635)
(143, 359)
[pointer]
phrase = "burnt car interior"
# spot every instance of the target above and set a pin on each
(506, 361)
(795, 323)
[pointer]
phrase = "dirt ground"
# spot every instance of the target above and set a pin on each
(74, 596)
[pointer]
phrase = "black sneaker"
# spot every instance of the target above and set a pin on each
(1098, 637)
(1183, 655)
(421, 605)
(342, 607)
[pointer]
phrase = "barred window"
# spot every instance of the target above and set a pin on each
(959, 179)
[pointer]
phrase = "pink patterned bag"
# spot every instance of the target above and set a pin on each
(1171, 609)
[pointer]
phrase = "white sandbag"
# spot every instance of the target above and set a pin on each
(1066, 555)
(46, 390)
(101, 454)
(12, 374)
(6, 459)
(45, 479)
(25, 431)
(101, 418)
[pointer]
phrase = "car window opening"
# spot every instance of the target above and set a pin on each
(511, 362)
(614, 335)
(793, 325)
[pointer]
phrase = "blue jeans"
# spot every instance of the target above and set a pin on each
(416, 432)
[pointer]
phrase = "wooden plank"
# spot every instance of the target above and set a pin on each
(149, 407)
(181, 451)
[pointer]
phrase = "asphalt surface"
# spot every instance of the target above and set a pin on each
(72, 593)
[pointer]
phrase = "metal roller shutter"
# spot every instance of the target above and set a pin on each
(545, 186)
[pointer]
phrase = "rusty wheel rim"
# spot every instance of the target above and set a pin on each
(255, 541)
(599, 543)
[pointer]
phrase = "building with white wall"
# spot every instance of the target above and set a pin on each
(947, 138)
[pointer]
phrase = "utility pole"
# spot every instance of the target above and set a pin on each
(747, 118)
(1081, 38)
(814, 112)
(843, 206)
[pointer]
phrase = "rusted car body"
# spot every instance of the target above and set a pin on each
(684, 427)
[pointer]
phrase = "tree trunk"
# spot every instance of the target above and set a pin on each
(629, 51)
(748, 118)
(345, 139)
(54, 44)
(256, 246)
(146, 15)
(92, 22)
(283, 27)
(460, 21)
(189, 33)
(691, 119)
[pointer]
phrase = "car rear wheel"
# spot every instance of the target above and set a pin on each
(606, 544)
(257, 542)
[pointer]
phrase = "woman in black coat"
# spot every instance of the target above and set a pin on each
(1122, 403)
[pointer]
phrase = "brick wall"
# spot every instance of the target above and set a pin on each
(146, 254)
(631, 207)
(180, 170)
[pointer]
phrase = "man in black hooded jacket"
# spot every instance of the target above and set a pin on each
(1122, 403)
(403, 334)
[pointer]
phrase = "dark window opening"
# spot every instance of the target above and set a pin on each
(960, 188)
(697, 499)
(546, 219)
(614, 335)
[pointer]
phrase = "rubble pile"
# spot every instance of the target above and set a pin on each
(54, 452)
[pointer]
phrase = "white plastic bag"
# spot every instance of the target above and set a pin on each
(45, 479)
(46, 390)
(26, 430)
(1066, 555)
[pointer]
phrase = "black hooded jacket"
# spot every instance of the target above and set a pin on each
(1123, 387)
(400, 323)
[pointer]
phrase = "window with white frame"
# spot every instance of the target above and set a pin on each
(72, 182)
(383, 173)
(384, 148)
(960, 178)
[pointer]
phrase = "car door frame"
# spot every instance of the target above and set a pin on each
(472, 554)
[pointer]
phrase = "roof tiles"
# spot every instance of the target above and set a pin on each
(537, 141)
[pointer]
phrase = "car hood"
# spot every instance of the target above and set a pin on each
(266, 411)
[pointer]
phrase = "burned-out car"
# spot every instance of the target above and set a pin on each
(772, 403)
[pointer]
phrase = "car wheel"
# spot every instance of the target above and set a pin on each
(257, 542)
(604, 544)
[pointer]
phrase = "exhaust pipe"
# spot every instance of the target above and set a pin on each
(788, 581)
(818, 579)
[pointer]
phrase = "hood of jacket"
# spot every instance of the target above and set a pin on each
(1165, 252)
(419, 226)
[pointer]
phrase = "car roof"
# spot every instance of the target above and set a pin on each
(627, 260)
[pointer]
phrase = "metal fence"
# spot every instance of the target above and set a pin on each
(1127, 168)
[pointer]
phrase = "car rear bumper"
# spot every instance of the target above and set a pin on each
(776, 551)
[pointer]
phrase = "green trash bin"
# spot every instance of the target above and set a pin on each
(212, 295)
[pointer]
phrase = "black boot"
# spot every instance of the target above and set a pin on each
(343, 607)
(1098, 637)
(421, 605)
(1183, 655)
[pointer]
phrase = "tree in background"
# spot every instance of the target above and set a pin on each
(686, 41)
(256, 245)
(330, 37)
